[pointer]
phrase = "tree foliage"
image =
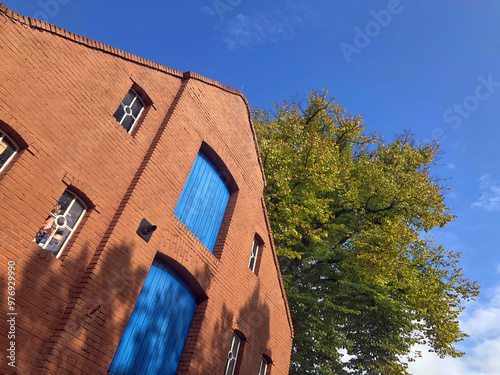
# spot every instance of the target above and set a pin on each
(350, 216)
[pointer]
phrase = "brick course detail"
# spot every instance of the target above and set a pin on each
(58, 94)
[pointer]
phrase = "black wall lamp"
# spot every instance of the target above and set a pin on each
(145, 230)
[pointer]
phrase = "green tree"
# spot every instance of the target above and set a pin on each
(350, 216)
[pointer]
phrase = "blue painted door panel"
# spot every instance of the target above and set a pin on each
(158, 327)
(203, 201)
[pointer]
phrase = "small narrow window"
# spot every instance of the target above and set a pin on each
(60, 224)
(263, 366)
(7, 150)
(253, 255)
(129, 110)
(232, 356)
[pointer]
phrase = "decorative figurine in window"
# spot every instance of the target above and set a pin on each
(60, 224)
(47, 227)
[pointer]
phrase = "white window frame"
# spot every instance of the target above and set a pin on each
(16, 149)
(125, 114)
(253, 255)
(263, 366)
(64, 225)
(232, 356)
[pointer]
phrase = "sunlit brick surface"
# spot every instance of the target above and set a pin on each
(58, 94)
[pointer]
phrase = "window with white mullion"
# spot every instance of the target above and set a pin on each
(7, 150)
(253, 255)
(60, 223)
(232, 356)
(129, 110)
(263, 367)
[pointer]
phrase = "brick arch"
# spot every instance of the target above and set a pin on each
(222, 165)
(16, 131)
(157, 330)
(83, 190)
(198, 286)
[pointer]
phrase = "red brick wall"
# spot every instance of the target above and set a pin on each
(58, 93)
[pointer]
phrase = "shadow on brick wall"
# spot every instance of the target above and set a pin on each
(104, 316)
(62, 330)
(70, 329)
(253, 321)
(41, 297)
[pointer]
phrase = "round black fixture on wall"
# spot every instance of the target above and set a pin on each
(145, 230)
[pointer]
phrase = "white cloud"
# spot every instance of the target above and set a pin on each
(489, 197)
(279, 23)
(480, 321)
(345, 357)
(258, 28)
(482, 360)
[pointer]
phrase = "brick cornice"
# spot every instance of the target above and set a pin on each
(45, 26)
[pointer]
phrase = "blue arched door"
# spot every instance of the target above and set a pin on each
(158, 327)
(203, 201)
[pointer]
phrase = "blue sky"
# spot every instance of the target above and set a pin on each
(429, 66)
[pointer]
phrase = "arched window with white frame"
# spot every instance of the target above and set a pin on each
(61, 223)
(8, 149)
(234, 354)
(256, 254)
(129, 111)
(252, 262)
(264, 365)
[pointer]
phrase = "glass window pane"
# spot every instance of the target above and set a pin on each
(236, 345)
(255, 248)
(263, 367)
(63, 203)
(7, 149)
(252, 263)
(45, 231)
(57, 240)
(60, 223)
(232, 356)
(127, 122)
(119, 113)
(136, 107)
(253, 255)
(74, 213)
(230, 367)
(128, 99)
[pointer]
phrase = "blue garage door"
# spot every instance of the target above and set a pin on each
(203, 201)
(158, 327)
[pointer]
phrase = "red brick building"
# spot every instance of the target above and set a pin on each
(132, 217)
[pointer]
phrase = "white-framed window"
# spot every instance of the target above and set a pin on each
(61, 223)
(7, 150)
(129, 110)
(253, 255)
(263, 366)
(232, 356)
